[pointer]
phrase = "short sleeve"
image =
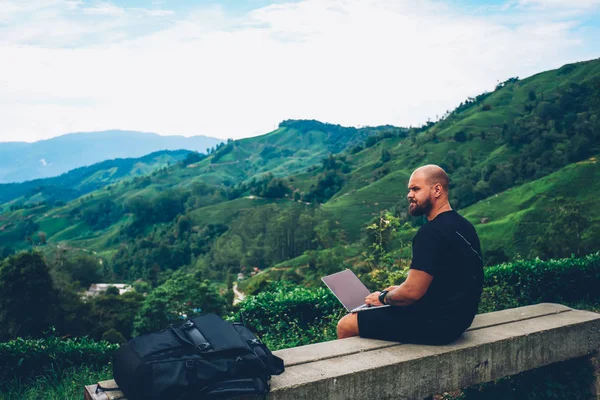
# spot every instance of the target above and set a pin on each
(428, 252)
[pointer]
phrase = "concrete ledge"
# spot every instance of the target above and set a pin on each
(594, 361)
(338, 348)
(496, 345)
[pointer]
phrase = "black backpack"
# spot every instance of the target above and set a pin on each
(205, 358)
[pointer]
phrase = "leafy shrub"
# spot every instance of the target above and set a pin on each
(356, 149)
(289, 315)
(526, 282)
(460, 136)
(101, 215)
(192, 158)
(22, 359)
(285, 315)
(113, 336)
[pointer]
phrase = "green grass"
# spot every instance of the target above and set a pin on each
(51, 226)
(104, 241)
(59, 385)
(224, 212)
(354, 209)
(505, 210)
(72, 232)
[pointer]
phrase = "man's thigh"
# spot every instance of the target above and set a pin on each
(391, 323)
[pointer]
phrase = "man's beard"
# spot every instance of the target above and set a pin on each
(419, 209)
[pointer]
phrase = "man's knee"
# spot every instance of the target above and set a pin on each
(347, 326)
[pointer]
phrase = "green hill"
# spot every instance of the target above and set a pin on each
(83, 180)
(513, 220)
(306, 191)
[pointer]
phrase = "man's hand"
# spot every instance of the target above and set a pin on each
(373, 299)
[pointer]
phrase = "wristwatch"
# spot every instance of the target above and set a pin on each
(382, 296)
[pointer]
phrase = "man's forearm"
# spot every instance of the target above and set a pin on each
(399, 297)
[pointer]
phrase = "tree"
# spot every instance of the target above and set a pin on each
(83, 269)
(192, 158)
(182, 296)
(380, 235)
(28, 300)
(385, 156)
(460, 136)
(110, 310)
(563, 233)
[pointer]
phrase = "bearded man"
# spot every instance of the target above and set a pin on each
(440, 296)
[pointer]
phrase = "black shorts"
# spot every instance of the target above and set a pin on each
(403, 324)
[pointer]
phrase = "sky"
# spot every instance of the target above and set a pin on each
(234, 69)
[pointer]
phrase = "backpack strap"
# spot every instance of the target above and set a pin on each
(195, 335)
(99, 388)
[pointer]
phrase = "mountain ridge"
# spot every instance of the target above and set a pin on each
(83, 180)
(22, 161)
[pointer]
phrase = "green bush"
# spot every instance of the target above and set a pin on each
(289, 315)
(286, 315)
(521, 283)
(113, 336)
(22, 358)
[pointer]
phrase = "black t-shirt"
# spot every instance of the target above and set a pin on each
(448, 248)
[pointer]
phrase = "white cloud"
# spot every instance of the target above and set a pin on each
(352, 62)
(70, 23)
(158, 13)
(577, 4)
(105, 9)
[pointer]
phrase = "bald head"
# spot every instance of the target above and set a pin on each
(433, 175)
(428, 192)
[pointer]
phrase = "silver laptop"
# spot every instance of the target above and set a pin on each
(349, 290)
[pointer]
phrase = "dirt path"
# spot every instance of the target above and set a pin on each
(237, 295)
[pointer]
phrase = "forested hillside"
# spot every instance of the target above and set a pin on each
(311, 198)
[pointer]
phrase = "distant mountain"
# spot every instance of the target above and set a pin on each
(47, 158)
(83, 180)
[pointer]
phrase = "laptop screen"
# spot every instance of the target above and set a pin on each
(346, 286)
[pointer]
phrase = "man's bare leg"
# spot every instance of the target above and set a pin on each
(347, 326)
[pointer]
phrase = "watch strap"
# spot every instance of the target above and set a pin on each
(382, 296)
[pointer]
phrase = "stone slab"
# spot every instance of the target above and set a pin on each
(594, 361)
(516, 314)
(337, 348)
(417, 371)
